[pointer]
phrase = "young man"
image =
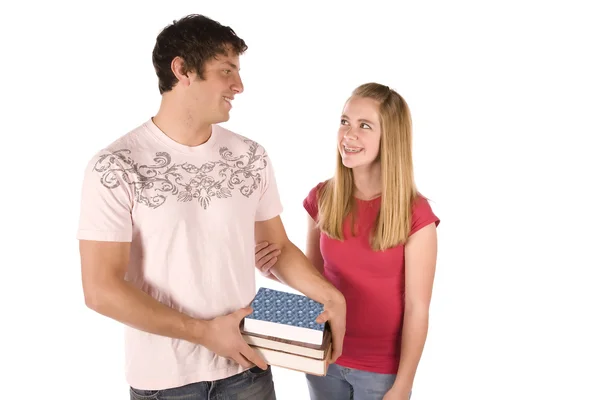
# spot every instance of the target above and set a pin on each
(170, 215)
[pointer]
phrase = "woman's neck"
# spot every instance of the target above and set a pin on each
(367, 181)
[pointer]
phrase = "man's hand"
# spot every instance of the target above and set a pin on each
(335, 312)
(397, 393)
(265, 256)
(222, 336)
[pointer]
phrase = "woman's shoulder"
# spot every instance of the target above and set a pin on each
(311, 201)
(422, 213)
(316, 190)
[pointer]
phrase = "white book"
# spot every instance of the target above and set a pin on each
(288, 346)
(295, 362)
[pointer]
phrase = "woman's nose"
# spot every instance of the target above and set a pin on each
(349, 133)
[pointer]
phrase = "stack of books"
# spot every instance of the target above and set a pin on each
(282, 329)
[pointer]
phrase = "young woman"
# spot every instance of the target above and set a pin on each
(374, 237)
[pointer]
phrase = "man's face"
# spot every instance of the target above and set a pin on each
(213, 95)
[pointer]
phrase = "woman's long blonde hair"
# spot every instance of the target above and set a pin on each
(336, 197)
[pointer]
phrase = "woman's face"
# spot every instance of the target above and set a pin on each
(359, 135)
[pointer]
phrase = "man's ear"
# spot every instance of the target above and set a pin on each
(179, 70)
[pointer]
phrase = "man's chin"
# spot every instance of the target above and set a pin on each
(221, 118)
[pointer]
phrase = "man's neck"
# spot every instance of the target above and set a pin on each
(367, 181)
(177, 122)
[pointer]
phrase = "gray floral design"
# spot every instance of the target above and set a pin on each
(152, 184)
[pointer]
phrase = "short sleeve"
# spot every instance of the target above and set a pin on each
(106, 203)
(269, 205)
(311, 202)
(422, 215)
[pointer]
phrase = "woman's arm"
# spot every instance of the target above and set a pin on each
(313, 245)
(420, 262)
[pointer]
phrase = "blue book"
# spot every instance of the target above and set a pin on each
(286, 316)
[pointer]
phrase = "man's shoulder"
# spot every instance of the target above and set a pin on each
(122, 149)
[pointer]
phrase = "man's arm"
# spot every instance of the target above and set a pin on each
(293, 268)
(420, 262)
(103, 266)
(296, 271)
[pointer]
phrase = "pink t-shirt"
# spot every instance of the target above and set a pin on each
(189, 213)
(372, 283)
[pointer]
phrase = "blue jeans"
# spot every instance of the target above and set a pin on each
(252, 384)
(343, 383)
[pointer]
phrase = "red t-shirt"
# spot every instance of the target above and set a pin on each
(373, 284)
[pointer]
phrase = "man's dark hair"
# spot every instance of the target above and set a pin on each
(196, 39)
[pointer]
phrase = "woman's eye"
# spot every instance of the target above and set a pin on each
(365, 126)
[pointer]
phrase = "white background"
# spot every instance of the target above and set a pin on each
(504, 97)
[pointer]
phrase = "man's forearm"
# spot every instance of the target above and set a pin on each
(295, 270)
(129, 305)
(414, 334)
